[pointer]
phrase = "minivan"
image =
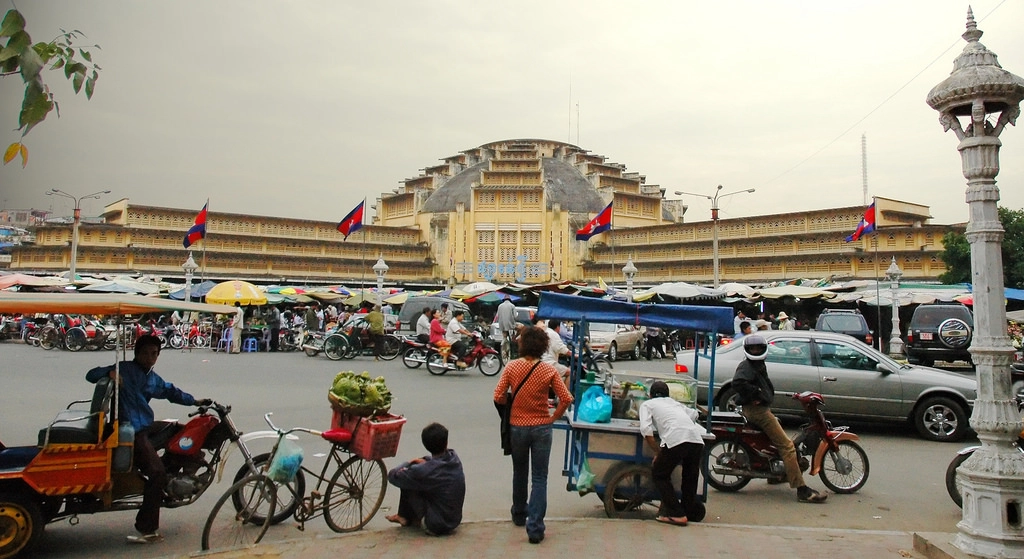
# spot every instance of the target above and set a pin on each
(413, 308)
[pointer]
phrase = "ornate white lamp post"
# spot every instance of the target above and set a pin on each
(992, 482)
(895, 342)
(380, 268)
(714, 220)
(629, 270)
(77, 218)
(190, 268)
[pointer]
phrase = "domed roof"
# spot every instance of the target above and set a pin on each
(563, 185)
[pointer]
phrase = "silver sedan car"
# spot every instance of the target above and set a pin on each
(857, 381)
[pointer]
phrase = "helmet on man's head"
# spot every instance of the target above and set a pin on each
(755, 347)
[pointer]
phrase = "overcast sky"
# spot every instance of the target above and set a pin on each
(302, 109)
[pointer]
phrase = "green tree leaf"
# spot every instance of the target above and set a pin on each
(76, 82)
(90, 85)
(13, 22)
(35, 107)
(85, 54)
(957, 252)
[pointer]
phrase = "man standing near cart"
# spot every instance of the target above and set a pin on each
(682, 444)
(139, 384)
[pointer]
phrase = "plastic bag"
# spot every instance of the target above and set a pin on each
(585, 482)
(286, 462)
(595, 406)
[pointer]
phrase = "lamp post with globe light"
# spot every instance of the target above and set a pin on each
(380, 268)
(77, 220)
(629, 270)
(895, 342)
(992, 522)
(190, 268)
(714, 220)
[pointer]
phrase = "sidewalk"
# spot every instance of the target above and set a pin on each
(596, 539)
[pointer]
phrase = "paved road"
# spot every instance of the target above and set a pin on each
(905, 490)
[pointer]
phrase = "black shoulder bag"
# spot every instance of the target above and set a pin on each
(505, 413)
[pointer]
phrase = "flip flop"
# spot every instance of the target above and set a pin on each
(669, 520)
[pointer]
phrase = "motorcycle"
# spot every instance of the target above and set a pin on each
(952, 483)
(289, 339)
(335, 346)
(30, 333)
(742, 452)
(414, 352)
(487, 359)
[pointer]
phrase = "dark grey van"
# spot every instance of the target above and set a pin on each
(413, 308)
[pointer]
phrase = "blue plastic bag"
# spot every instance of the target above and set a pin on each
(286, 462)
(595, 406)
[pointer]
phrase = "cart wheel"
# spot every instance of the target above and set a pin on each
(698, 512)
(631, 494)
(21, 524)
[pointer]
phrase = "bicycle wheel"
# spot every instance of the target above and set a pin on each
(392, 347)
(335, 347)
(75, 338)
(227, 528)
(48, 337)
(355, 493)
(288, 497)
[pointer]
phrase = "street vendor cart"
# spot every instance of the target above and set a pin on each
(610, 458)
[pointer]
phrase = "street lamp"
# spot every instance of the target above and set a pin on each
(190, 268)
(629, 270)
(714, 220)
(78, 218)
(380, 268)
(895, 342)
(990, 481)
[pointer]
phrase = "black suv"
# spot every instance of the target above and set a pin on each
(844, 321)
(940, 332)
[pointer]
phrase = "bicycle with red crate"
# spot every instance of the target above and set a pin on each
(348, 499)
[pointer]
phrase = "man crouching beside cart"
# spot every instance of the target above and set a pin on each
(139, 384)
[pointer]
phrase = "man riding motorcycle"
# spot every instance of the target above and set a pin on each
(755, 393)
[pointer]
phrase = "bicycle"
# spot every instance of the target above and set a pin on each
(353, 494)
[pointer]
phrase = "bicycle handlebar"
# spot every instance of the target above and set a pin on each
(283, 432)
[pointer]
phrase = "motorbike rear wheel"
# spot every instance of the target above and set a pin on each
(176, 340)
(952, 483)
(414, 357)
(727, 454)
(436, 364)
(845, 470)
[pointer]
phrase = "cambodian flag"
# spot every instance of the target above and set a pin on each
(601, 223)
(198, 230)
(353, 221)
(867, 224)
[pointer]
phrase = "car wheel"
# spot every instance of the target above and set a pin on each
(941, 419)
(635, 356)
(727, 400)
(613, 352)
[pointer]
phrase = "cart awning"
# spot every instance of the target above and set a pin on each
(573, 307)
(100, 304)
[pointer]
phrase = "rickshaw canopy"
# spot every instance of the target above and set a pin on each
(558, 306)
(100, 304)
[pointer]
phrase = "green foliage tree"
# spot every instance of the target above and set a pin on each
(957, 252)
(20, 56)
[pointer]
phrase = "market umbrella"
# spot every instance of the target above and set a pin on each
(398, 298)
(236, 291)
(123, 285)
(479, 287)
(11, 280)
(198, 291)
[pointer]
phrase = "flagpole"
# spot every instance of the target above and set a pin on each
(878, 298)
(362, 257)
(203, 275)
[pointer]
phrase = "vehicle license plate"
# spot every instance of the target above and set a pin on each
(926, 335)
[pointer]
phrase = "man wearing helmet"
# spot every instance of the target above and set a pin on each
(755, 392)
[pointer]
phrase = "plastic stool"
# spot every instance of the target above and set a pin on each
(250, 345)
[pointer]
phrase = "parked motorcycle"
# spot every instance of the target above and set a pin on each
(742, 452)
(952, 483)
(487, 359)
(333, 345)
(289, 339)
(30, 333)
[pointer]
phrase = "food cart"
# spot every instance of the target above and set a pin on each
(611, 459)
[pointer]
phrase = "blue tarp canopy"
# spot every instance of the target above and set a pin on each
(198, 291)
(557, 306)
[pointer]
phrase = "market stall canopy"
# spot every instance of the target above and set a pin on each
(478, 287)
(795, 291)
(198, 291)
(122, 285)
(680, 290)
(11, 280)
(1016, 316)
(572, 307)
(236, 291)
(733, 289)
(325, 296)
(99, 304)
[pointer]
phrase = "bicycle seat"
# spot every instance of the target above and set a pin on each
(337, 436)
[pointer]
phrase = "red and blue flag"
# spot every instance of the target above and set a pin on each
(353, 221)
(867, 224)
(198, 230)
(601, 223)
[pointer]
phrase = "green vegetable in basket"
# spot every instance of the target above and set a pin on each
(680, 392)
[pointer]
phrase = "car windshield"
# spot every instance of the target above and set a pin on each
(935, 315)
(601, 327)
(841, 323)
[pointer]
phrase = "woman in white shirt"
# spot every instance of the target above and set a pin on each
(682, 444)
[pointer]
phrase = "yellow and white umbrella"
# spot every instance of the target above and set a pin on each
(236, 291)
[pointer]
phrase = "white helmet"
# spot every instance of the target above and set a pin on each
(755, 347)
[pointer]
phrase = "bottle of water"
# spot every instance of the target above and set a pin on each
(122, 459)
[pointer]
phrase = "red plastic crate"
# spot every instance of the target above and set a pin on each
(373, 438)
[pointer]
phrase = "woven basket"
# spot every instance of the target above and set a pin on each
(346, 408)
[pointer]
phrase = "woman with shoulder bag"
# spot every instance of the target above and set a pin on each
(527, 381)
